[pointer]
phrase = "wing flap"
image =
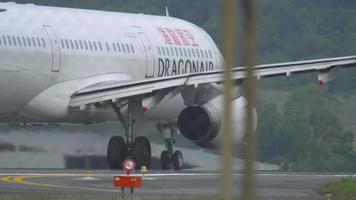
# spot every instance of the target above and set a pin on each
(112, 91)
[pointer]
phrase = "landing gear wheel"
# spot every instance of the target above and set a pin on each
(141, 152)
(178, 160)
(165, 161)
(116, 152)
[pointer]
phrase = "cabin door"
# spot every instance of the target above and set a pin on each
(56, 50)
(150, 62)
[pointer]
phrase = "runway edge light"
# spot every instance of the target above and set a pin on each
(143, 170)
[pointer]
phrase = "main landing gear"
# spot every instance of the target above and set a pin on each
(136, 148)
(169, 156)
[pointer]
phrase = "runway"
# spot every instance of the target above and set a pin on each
(193, 183)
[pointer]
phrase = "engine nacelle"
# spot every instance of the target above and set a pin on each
(203, 124)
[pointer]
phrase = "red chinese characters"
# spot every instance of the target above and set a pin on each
(174, 36)
(191, 38)
(165, 35)
(179, 37)
(182, 36)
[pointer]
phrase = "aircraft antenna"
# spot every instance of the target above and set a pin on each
(167, 12)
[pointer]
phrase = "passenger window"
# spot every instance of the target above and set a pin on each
(132, 48)
(43, 43)
(128, 48)
(81, 45)
(193, 53)
(90, 45)
(33, 42)
(159, 51)
(19, 41)
(24, 41)
(67, 44)
(76, 44)
(62, 43)
(38, 42)
(71, 44)
(176, 50)
(108, 47)
(100, 46)
(167, 50)
(118, 47)
(206, 54)
(86, 45)
(114, 46)
(123, 48)
(210, 54)
(198, 54)
(95, 47)
(163, 51)
(189, 53)
(29, 42)
(9, 40)
(4, 40)
(172, 51)
(14, 40)
(180, 52)
(185, 52)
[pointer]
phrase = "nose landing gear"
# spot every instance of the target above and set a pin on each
(169, 156)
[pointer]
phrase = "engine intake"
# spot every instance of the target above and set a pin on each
(202, 124)
(197, 124)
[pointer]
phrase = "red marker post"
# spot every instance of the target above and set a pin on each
(128, 181)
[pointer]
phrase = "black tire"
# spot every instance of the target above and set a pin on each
(178, 160)
(141, 152)
(165, 161)
(116, 152)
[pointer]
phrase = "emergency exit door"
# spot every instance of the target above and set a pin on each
(56, 50)
(150, 62)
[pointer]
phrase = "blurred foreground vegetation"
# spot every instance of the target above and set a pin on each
(307, 133)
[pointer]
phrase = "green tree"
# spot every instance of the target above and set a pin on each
(308, 134)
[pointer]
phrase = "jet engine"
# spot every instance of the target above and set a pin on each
(203, 124)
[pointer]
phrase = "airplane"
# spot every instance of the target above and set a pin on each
(64, 65)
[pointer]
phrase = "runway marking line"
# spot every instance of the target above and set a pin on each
(171, 174)
(23, 180)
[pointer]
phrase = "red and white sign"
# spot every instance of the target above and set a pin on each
(129, 165)
(127, 181)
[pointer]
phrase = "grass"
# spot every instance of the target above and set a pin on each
(345, 189)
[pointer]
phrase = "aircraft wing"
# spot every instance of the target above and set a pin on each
(326, 69)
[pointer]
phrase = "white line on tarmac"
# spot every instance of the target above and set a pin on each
(103, 175)
(172, 174)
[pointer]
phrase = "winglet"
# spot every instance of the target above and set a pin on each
(167, 12)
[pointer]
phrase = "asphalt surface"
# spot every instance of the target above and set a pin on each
(160, 183)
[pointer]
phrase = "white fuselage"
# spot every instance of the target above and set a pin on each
(46, 54)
